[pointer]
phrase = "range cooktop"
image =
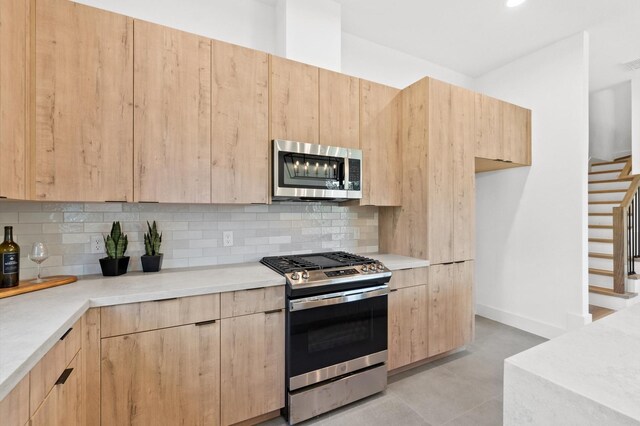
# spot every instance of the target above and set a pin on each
(327, 269)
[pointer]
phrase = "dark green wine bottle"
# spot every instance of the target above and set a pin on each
(10, 259)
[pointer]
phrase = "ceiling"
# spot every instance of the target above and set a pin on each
(477, 36)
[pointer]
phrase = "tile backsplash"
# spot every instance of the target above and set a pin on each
(192, 233)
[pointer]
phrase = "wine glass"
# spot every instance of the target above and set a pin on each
(38, 254)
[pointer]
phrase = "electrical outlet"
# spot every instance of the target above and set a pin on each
(227, 238)
(97, 244)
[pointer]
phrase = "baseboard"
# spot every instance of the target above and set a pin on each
(529, 325)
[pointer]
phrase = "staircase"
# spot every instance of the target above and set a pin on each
(611, 187)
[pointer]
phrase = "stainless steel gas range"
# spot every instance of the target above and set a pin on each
(336, 330)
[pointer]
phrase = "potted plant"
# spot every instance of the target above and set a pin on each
(116, 263)
(152, 259)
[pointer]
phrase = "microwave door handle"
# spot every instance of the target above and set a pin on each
(337, 298)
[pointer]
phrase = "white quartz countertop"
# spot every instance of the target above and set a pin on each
(31, 323)
(589, 375)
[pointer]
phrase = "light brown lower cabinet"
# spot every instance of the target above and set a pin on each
(252, 366)
(169, 376)
(407, 326)
(64, 403)
(14, 408)
(450, 312)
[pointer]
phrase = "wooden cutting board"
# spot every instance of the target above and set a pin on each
(29, 286)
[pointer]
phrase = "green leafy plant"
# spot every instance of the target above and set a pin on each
(116, 242)
(152, 240)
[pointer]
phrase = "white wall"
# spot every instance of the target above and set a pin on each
(635, 123)
(610, 122)
(310, 31)
(248, 23)
(365, 59)
(532, 222)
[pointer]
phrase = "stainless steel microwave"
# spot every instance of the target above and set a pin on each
(306, 171)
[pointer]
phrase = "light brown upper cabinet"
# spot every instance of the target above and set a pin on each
(450, 312)
(380, 115)
(172, 86)
(83, 104)
(436, 220)
(503, 134)
(516, 130)
(488, 126)
(293, 101)
(14, 56)
(339, 110)
(240, 125)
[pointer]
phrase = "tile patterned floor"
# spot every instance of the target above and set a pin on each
(460, 390)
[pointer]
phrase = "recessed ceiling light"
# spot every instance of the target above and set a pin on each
(514, 3)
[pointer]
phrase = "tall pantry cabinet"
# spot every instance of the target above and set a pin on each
(436, 220)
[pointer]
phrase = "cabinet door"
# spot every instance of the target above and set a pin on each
(440, 189)
(462, 134)
(169, 376)
(64, 403)
(450, 310)
(339, 110)
(14, 408)
(172, 86)
(380, 115)
(517, 134)
(407, 326)
(488, 125)
(294, 101)
(14, 19)
(83, 104)
(240, 125)
(252, 366)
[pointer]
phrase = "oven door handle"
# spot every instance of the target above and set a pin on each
(338, 298)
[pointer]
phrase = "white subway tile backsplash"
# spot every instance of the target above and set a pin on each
(83, 217)
(192, 234)
(75, 238)
(46, 217)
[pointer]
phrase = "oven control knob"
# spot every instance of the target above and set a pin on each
(295, 275)
(305, 274)
(380, 267)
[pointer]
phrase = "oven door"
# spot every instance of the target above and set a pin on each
(335, 334)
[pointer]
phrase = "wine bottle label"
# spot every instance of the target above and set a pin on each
(10, 263)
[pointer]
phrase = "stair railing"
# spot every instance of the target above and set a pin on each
(626, 236)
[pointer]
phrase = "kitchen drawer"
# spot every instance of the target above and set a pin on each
(46, 372)
(63, 406)
(246, 302)
(409, 278)
(144, 316)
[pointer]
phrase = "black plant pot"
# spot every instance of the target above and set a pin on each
(114, 267)
(151, 263)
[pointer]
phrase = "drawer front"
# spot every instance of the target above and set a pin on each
(46, 372)
(409, 278)
(63, 405)
(246, 302)
(144, 316)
